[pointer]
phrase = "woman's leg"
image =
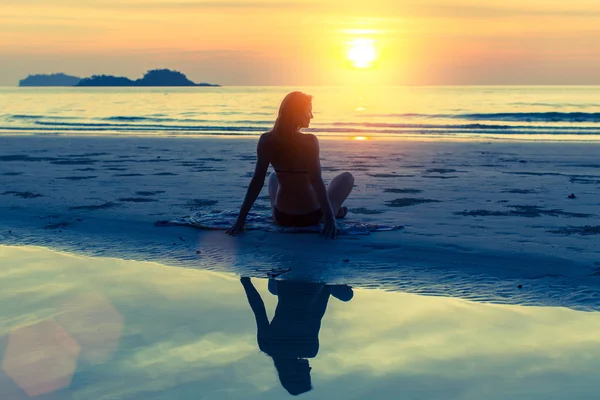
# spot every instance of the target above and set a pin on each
(273, 186)
(339, 189)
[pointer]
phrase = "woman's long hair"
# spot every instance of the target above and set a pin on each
(286, 126)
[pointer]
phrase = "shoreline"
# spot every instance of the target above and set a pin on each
(474, 138)
(480, 218)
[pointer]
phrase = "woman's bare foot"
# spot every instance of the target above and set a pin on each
(343, 210)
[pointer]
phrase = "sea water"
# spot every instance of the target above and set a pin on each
(467, 112)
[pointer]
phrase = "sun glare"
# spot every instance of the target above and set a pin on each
(361, 52)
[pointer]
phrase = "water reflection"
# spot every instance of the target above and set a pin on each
(292, 336)
(93, 328)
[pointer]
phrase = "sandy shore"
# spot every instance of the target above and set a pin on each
(115, 329)
(481, 217)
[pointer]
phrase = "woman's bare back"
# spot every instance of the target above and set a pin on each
(294, 165)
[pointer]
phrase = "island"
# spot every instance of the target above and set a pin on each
(50, 80)
(155, 77)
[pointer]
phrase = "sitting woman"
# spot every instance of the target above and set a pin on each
(297, 192)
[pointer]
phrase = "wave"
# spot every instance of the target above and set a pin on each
(33, 117)
(508, 117)
(168, 119)
(149, 127)
(152, 118)
(104, 128)
(536, 117)
(265, 124)
(528, 117)
(462, 126)
(350, 127)
(555, 105)
(190, 113)
(483, 124)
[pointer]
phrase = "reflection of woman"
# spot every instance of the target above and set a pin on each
(293, 334)
(296, 189)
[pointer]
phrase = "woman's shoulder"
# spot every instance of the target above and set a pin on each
(269, 140)
(311, 138)
(265, 138)
(266, 142)
(266, 135)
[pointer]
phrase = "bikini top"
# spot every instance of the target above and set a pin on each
(291, 171)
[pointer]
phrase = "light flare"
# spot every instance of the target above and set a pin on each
(361, 52)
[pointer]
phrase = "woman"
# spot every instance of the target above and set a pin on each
(296, 189)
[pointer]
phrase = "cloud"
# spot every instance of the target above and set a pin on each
(389, 8)
(478, 11)
(211, 4)
(162, 4)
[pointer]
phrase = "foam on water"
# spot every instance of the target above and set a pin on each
(490, 112)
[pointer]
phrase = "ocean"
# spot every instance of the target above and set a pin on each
(494, 112)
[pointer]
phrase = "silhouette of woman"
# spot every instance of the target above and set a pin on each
(296, 189)
(293, 335)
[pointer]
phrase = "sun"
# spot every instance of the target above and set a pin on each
(361, 52)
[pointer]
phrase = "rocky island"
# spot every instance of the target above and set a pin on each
(50, 80)
(156, 77)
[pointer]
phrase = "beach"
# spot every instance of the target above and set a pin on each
(480, 218)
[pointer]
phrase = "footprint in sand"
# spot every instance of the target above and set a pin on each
(585, 230)
(365, 211)
(150, 193)
(127, 175)
(24, 195)
(409, 201)
(73, 162)
(441, 170)
(20, 157)
(411, 191)
(519, 191)
(390, 176)
(523, 211)
(78, 178)
(136, 200)
(95, 207)
(58, 225)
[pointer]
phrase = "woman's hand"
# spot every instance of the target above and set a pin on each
(237, 228)
(330, 228)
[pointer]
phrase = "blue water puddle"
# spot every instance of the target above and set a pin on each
(115, 329)
(384, 260)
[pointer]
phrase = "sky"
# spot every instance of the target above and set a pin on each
(306, 42)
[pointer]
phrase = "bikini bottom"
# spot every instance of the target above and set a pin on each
(298, 220)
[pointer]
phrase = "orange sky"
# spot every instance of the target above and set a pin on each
(303, 42)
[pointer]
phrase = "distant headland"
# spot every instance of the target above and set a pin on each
(155, 77)
(50, 80)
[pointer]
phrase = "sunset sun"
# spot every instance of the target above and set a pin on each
(361, 52)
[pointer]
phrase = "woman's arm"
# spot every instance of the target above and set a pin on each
(316, 180)
(257, 305)
(254, 188)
